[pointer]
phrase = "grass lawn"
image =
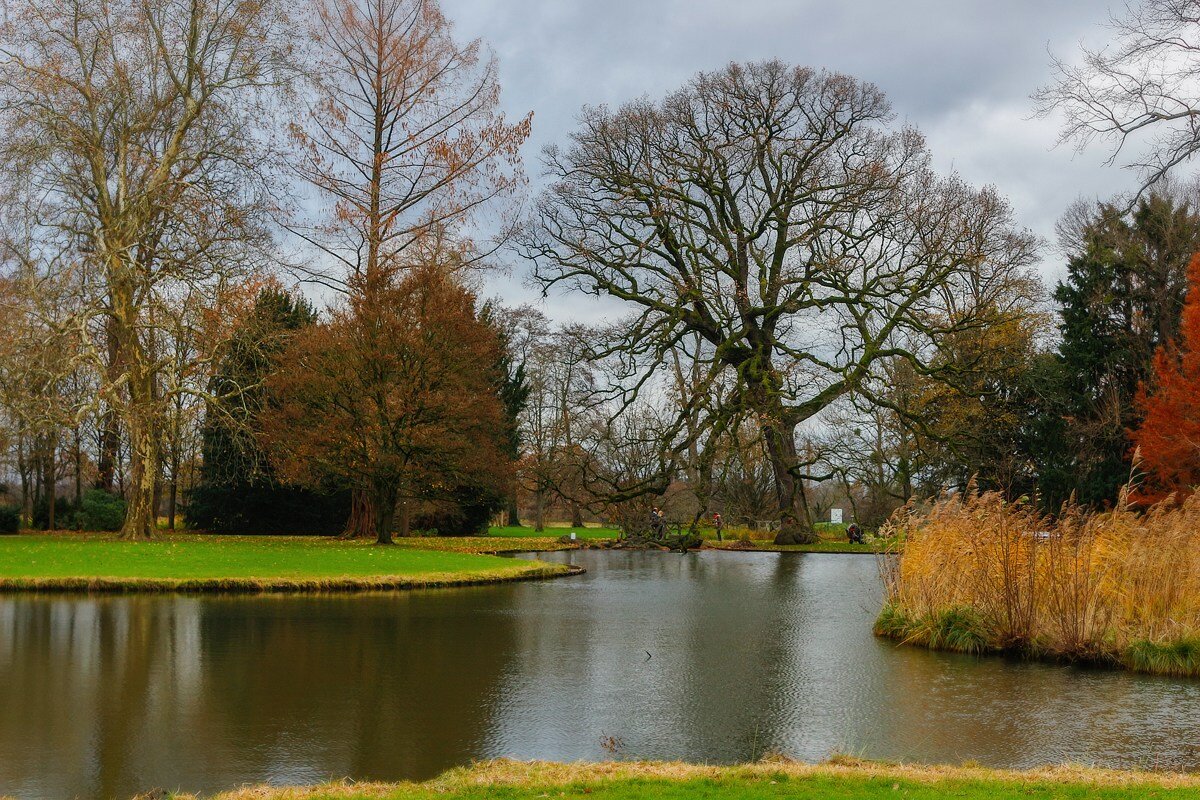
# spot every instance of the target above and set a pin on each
(194, 562)
(483, 544)
(554, 531)
(509, 780)
(833, 540)
(507, 539)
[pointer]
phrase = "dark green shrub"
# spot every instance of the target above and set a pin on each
(244, 504)
(465, 511)
(238, 490)
(62, 514)
(959, 629)
(100, 511)
(10, 519)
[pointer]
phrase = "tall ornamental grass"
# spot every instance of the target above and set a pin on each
(982, 574)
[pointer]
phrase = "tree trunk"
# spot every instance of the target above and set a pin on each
(576, 516)
(405, 518)
(37, 470)
(513, 513)
(385, 513)
(156, 502)
(140, 412)
(143, 447)
(795, 524)
(78, 458)
(143, 476)
(906, 484)
(173, 462)
(361, 522)
(172, 496)
(109, 445)
(539, 511)
(110, 442)
(50, 520)
(26, 489)
(49, 453)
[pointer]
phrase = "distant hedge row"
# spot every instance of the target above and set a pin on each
(98, 511)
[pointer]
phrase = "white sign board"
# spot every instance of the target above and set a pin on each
(835, 516)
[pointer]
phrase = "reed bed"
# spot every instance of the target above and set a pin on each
(982, 574)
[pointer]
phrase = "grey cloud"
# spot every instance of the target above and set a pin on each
(960, 71)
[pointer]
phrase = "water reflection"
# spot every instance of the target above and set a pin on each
(712, 656)
(107, 697)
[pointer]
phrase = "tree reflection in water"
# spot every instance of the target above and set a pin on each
(749, 653)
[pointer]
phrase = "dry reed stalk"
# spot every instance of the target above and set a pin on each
(1081, 586)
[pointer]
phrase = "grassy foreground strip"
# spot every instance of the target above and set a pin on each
(189, 563)
(844, 780)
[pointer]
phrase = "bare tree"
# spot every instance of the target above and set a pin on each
(556, 415)
(626, 462)
(1141, 89)
(39, 381)
(403, 135)
(135, 125)
(747, 483)
(770, 211)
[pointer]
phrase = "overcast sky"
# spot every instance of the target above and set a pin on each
(960, 70)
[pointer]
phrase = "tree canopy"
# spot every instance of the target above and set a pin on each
(773, 212)
(1168, 438)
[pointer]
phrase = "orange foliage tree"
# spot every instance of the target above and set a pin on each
(393, 398)
(1169, 436)
(405, 143)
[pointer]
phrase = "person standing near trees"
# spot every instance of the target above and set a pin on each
(658, 527)
(717, 523)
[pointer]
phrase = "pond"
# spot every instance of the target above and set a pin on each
(716, 657)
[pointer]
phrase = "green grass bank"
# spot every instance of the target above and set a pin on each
(841, 780)
(832, 538)
(961, 629)
(194, 563)
(585, 533)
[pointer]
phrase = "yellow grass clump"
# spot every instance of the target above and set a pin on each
(979, 573)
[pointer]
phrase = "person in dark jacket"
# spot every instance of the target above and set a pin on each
(658, 527)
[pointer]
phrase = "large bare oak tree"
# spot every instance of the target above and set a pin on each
(775, 213)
